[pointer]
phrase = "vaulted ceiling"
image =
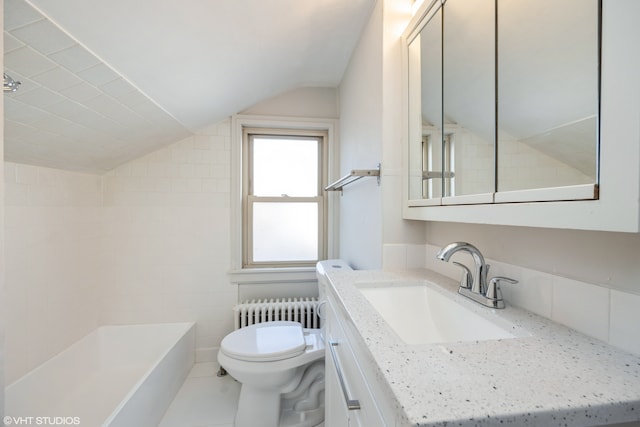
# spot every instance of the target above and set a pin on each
(104, 82)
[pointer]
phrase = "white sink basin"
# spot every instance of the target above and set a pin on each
(421, 315)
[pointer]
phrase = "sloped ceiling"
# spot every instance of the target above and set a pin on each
(105, 82)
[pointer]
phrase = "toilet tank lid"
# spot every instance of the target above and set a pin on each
(323, 267)
(265, 342)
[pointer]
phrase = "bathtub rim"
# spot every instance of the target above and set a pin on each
(184, 330)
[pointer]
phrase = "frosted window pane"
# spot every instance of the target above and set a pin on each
(285, 166)
(285, 232)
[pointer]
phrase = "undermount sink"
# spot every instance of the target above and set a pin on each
(419, 314)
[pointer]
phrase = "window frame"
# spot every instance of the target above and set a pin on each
(249, 199)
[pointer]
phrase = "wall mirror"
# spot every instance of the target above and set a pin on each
(503, 101)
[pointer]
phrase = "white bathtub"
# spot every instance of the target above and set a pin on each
(115, 376)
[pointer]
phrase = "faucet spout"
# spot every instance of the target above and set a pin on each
(479, 284)
(476, 288)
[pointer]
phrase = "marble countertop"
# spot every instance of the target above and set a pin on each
(548, 376)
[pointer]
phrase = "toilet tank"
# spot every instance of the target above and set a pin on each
(322, 268)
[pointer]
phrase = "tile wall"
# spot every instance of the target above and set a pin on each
(53, 270)
(167, 238)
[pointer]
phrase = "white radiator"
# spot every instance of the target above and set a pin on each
(303, 310)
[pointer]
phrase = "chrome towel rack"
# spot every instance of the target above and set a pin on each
(353, 176)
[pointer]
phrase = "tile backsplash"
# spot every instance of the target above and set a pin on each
(607, 314)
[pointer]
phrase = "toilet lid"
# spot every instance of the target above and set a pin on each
(264, 342)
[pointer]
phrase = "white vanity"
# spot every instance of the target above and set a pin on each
(535, 372)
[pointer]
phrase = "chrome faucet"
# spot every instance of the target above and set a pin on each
(476, 286)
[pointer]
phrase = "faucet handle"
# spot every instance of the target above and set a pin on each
(493, 289)
(467, 280)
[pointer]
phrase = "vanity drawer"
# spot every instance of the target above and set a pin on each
(347, 387)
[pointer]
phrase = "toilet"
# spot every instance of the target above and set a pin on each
(281, 368)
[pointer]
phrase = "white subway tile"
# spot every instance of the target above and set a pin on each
(10, 173)
(224, 185)
(180, 185)
(203, 171)
(26, 174)
(625, 321)
(187, 171)
(581, 306)
(57, 78)
(533, 292)
(117, 88)
(394, 256)
(415, 256)
(98, 74)
(75, 58)
(194, 185)
(202, 142)
(27, 61)
(209, 185)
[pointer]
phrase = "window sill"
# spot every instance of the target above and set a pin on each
(248, 276)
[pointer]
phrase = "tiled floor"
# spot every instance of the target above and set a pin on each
(204, 400)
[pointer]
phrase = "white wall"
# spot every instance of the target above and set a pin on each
(361, 148)
(53, 269)
(371, 106)
(301, 102)
(396, 14)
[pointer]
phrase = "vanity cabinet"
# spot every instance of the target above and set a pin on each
(346, 379)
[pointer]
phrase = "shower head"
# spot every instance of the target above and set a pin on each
(10, 85)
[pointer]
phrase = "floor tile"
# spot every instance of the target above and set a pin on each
(204, 400)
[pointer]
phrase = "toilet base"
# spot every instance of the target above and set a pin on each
(301, 405)
(311, 418)
(270, 413)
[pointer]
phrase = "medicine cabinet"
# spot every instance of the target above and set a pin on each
(520, 112)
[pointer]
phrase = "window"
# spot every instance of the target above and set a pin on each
(284, 206)
(433, 185)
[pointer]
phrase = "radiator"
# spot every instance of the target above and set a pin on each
(303, 310)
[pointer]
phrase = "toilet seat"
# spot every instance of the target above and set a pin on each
(265, 342)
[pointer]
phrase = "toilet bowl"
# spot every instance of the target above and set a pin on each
(281, 368)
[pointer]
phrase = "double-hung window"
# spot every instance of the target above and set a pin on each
(284, 205)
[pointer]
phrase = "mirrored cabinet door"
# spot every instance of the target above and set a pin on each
(469, 97)
(548, 74)
(425, 112)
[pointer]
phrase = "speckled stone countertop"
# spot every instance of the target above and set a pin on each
(548, 376)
